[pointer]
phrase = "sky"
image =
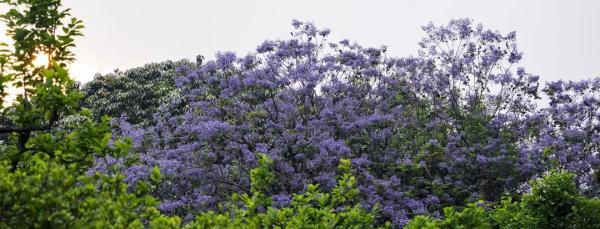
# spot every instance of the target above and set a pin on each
(560, 39)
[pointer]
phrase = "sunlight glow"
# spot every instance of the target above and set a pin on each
(41, 60)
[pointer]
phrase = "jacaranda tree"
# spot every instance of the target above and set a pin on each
(455, 124)
(61, 167)
(571, 137)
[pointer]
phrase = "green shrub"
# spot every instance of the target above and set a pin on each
(554, 202)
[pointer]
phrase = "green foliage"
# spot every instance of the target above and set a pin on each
(554, 202)
(46, 178)
(45, 93)
(49, 191)
(473, 216)
(261, 176)
(312, 209)
(137, 93)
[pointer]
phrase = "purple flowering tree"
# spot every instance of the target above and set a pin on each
(456, 123)
(572, 134)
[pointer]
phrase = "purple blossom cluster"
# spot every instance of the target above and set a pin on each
(456, 123)
(571, 137)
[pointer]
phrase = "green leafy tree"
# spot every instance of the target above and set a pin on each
(137, 93)
(45, 93)
(46, 180)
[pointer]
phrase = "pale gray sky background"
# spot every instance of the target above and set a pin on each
(560, 39)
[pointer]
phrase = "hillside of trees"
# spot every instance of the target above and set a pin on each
(304, 132)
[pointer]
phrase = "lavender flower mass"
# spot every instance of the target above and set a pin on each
(460, 122)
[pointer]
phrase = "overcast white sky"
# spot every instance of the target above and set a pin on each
(560, 39)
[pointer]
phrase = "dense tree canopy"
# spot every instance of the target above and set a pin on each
(136, 93)
(456, 124)
(302, 133)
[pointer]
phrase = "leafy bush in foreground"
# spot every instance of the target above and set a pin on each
(312, 209)
(46, 192)
(43, 180)
(554, 202)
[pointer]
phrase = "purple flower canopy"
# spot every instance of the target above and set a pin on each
(454, 124)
